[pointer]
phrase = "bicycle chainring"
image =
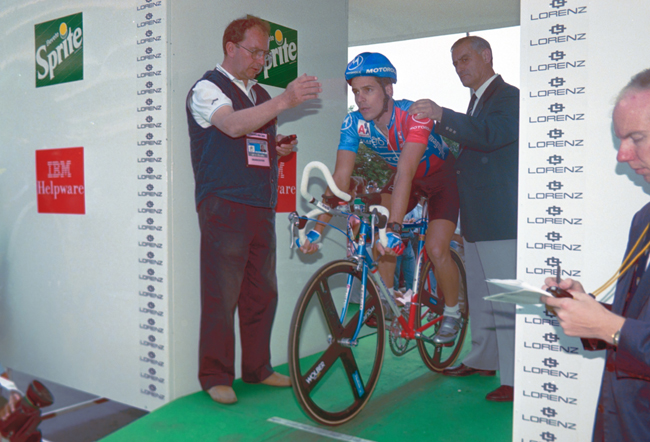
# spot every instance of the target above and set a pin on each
(398, 344)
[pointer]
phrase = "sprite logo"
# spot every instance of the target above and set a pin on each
(281, 66)
(59, 50)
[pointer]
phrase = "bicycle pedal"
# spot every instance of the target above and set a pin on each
(346, 342)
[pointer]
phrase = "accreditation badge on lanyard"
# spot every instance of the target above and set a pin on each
(257, 150)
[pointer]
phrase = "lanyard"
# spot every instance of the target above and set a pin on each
(626, 264)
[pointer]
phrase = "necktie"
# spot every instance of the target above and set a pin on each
(470, 108)
(470, 111)
(639, 270)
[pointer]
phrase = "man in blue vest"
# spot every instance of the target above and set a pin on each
(234, 149)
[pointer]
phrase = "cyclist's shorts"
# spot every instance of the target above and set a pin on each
(441, 189)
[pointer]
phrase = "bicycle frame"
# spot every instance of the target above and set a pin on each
(368, 267)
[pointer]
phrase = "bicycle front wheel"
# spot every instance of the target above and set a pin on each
(430, 307)
(332, 377)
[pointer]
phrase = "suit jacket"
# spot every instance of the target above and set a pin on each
(623, 412)
(487, 167)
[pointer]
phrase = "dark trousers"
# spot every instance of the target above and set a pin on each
(237, 272)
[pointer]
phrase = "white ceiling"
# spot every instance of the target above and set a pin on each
(381, 21)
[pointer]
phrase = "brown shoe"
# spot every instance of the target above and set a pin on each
(504, 393)
(277, 380)
(224, 394)
(464, 370)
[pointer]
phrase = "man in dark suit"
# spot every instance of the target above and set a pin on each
(486, 167)
(623, 412)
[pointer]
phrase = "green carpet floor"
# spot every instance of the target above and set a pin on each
(409, 403)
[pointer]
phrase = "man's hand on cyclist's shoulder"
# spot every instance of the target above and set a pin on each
(426, 109)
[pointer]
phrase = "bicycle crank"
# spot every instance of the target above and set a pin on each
(399, 345)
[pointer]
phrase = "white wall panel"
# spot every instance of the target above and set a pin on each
(75, 290)
(69, 283)
(196, 35)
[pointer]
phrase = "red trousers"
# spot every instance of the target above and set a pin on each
(237, 272)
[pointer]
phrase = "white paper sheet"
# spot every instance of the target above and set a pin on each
(517, 292)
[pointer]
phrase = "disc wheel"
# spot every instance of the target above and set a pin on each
(332, 378)
(430, 306)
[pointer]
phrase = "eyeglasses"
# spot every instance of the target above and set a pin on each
(257, 53)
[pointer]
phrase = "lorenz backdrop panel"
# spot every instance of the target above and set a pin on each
(98, 233)
(575, 202)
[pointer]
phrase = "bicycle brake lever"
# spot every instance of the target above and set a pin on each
(293, 224)
(381, 213)
(291, 241)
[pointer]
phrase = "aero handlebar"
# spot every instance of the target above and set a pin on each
(380, 211)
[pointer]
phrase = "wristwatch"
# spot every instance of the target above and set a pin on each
(616, 337)
(395, 227)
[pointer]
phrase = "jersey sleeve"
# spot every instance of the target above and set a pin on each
(418, 131)
(206, 98)
(349, 137)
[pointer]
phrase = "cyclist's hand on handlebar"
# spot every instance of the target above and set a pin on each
(309, 247)
(395, 245)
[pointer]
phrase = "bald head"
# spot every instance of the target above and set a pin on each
(632, 124)
(639, 82)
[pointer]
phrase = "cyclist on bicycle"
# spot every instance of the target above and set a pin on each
(419, 156)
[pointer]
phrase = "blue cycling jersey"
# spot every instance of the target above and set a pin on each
(402, 128)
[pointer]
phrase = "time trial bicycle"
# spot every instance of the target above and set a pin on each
(335, 351)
